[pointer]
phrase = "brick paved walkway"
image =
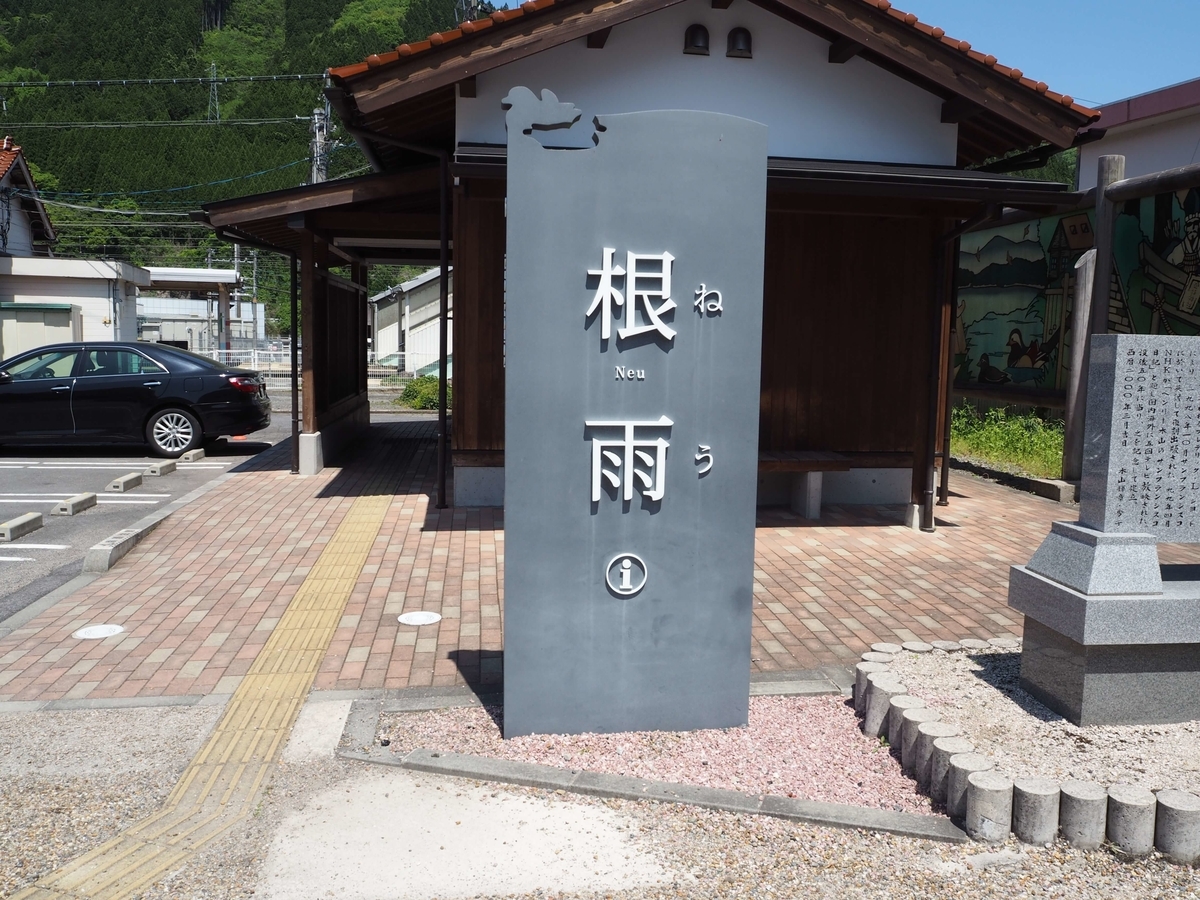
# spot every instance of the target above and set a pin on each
(200, 596)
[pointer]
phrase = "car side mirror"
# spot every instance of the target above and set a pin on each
(5, 378)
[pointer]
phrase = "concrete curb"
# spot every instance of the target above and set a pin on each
(31, 706)
(824, 681)
(1051, 488)
(43, 603)
(103, 556)
(595, 784)
(358, 743)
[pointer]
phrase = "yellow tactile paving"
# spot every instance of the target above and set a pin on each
(221, 784)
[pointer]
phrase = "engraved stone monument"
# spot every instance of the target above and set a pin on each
(633, 318)
(1112, 636)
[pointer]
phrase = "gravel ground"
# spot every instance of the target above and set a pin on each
(806, 747)
(716, 855)
(977, 691)
(71, 780)
(710, 854)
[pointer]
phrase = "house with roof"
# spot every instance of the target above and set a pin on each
(25, 228)
(876, 122)
(44, 299)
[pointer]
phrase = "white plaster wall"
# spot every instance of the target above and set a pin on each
(422, 345)
(387, 339)
(1148, 147)
(92, 296)
(20, 234)
(853, 111)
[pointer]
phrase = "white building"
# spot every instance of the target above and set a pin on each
(46, 300)
(1154, 131)
(195, 322)
(405, 330)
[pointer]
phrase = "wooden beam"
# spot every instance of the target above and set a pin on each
(343, 223)
(958, 109)
(887, 40)
(597, 39)
(466, 87)
(843, 50)
(487, 49)
(322, 196)
(894, 42)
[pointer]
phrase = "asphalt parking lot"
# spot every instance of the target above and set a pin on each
(34, 479)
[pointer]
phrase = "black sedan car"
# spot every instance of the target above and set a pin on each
(100, 392)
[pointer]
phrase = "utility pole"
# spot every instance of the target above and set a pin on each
(320, 132)
(466, 10)
(254, 297)
(214, 102)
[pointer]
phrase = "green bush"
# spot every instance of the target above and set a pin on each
(1026, 442)
(422, 393)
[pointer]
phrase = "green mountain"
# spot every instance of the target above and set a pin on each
(121, 164)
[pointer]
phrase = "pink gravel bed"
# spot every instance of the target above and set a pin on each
(806, 747)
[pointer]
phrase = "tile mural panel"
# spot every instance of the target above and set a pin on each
(1015, 286)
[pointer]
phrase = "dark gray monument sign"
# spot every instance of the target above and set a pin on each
(1112, 636)
(633, 327)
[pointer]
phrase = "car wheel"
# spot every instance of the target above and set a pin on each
(173, 432)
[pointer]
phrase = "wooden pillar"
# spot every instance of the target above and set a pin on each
(1081, 317)
(310, 327)
(363, 331)
(479, 237)
(927, 412)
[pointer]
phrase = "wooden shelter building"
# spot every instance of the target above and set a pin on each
(880, 127)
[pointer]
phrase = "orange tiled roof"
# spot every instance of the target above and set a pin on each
(405, 51)
(9, 154)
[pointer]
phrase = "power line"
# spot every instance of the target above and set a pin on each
(129, 82)
(101, 209)
(173, 190)
(59, 225)
(154, 124)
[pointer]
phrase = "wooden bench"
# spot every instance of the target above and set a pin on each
(807, 468)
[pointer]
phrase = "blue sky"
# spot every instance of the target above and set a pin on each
(1095, 50)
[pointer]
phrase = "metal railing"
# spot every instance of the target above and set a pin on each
(276, 367)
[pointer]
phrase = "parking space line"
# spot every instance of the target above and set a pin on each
(25, 546)
(50, 496)
(70, 466)
(16, 559)
(116, 502)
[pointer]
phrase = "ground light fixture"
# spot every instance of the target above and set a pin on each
(695, 40)
(422, 617)
(739, 46)
(97, 632)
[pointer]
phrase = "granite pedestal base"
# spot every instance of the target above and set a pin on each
(1123, 684)
(1112, 659)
